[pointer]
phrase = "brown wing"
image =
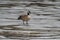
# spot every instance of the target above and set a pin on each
(25, 18)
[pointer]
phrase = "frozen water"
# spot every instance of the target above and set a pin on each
(45, 20)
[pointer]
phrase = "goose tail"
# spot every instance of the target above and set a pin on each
(19, 17)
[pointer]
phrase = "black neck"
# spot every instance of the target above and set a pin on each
(28, 13)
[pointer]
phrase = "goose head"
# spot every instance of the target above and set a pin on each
(28, 13)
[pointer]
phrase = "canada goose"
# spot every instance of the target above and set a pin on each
(25, 18)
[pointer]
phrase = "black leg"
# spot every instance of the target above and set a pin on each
(23, 22)
(26, 22)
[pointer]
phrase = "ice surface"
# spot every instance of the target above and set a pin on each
(46, 23)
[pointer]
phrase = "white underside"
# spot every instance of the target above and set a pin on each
(29, 16)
